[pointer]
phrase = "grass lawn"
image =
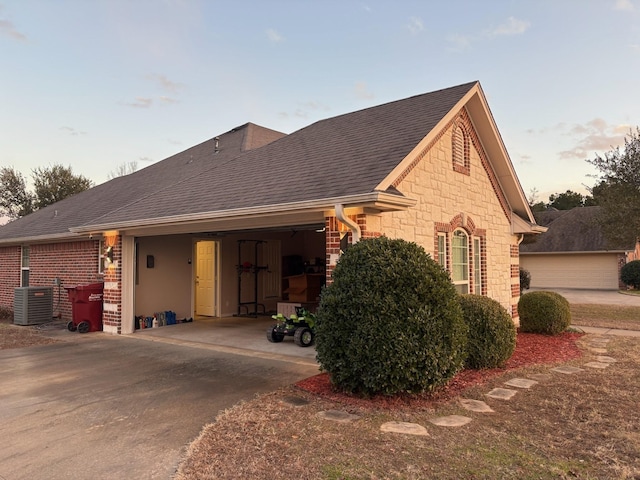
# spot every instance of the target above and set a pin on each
(582, 426)
(611, 316)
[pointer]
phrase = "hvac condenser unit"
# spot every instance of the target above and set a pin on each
(32, 305)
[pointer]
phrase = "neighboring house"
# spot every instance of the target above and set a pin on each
(217, 230)
(573, 253)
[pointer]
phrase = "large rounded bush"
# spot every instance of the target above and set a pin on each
(492, 333)
(630, 274)
(544, 312)
(390, 321)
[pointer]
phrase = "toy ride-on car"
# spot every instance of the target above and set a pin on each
(299, 326)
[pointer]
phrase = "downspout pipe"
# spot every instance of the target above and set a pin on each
(355, 229)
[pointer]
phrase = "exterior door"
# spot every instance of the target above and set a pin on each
(207, 261)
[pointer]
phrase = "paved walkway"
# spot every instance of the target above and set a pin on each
(602, 297)
(608, 331)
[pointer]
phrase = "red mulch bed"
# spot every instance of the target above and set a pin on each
(531, 349)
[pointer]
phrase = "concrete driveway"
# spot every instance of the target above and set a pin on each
(105, 407)
(602, 297)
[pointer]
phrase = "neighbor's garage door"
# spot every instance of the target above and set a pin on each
(594, 271)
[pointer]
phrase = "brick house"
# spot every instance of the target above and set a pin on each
(225, 227)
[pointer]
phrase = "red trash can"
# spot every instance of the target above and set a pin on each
(86, 307)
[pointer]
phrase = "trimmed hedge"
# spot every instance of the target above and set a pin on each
(492, 333)
(544, 312)
(390, 321)
(630, 274)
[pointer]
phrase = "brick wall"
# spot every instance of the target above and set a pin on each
(75, 263)
(9, 274)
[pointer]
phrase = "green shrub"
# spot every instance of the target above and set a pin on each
(544, 312)
(492, 333)
(630, 274)
(525, 280)
(390, 321)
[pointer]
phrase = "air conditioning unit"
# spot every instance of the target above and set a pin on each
(32, 305)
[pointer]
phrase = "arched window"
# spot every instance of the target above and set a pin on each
(460, 150)
(460, 260)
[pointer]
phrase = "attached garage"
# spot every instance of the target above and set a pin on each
(596, 271)
(573, 252)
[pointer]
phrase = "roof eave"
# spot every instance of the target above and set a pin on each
(381, 201)
(59, 237)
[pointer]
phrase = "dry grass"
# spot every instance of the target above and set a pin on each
(610, 316)
(17, 336)
(581, 426)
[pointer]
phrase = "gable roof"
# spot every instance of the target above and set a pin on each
(348, 159)
(574, 230)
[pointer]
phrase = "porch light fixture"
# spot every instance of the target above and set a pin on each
(108, 255)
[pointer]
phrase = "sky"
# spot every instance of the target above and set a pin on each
(97, 84)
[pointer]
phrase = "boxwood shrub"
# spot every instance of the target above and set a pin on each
(630, 274)
(544, 312)
(390, 321)
(492, 333)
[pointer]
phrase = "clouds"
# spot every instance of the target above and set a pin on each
(72, 131)
(274, 36)
(163, 83)
(305, 109)
(415, 25)
(512, 26)
(362, 91)
(593, 136)
(624, 5)
(8, 29)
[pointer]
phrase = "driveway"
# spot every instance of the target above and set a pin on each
(106, 407)
(602, 297)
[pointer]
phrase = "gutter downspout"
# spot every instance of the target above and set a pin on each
(355, 229)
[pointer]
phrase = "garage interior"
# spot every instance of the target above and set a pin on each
(228, 275)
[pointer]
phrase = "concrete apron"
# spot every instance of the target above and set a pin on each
(237, 335)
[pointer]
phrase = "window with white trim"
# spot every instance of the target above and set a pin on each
(442, 250)
(460, 260)
(24, 266)
(477, 266)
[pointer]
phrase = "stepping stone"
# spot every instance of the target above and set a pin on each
(295, 401)
(404, 427)
(605, 359)
(567, 370)
(600, 340)
(541, 377)
(475, 405)
(521, 383)
(597, 350)
(501, 393)
(597, 364)
(451, 421)
(338, 416)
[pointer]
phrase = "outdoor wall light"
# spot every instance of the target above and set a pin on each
(109, 255)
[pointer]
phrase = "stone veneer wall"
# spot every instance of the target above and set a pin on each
(444, 194)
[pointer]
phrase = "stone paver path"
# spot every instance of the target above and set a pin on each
(502, 393)
(451, 421)
(338, 416)
(595, 345)
(475, 405)
(404, 427)
(521, 383)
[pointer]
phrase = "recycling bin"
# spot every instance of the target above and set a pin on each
(86, 307)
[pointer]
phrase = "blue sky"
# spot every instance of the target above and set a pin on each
(94, 84)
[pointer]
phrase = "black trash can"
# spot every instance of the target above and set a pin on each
(86, 307)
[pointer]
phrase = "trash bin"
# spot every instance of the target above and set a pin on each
(86, 307)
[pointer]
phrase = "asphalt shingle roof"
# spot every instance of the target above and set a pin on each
(344, 155)
(574, 230)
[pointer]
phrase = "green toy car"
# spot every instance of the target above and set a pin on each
(300, 326)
